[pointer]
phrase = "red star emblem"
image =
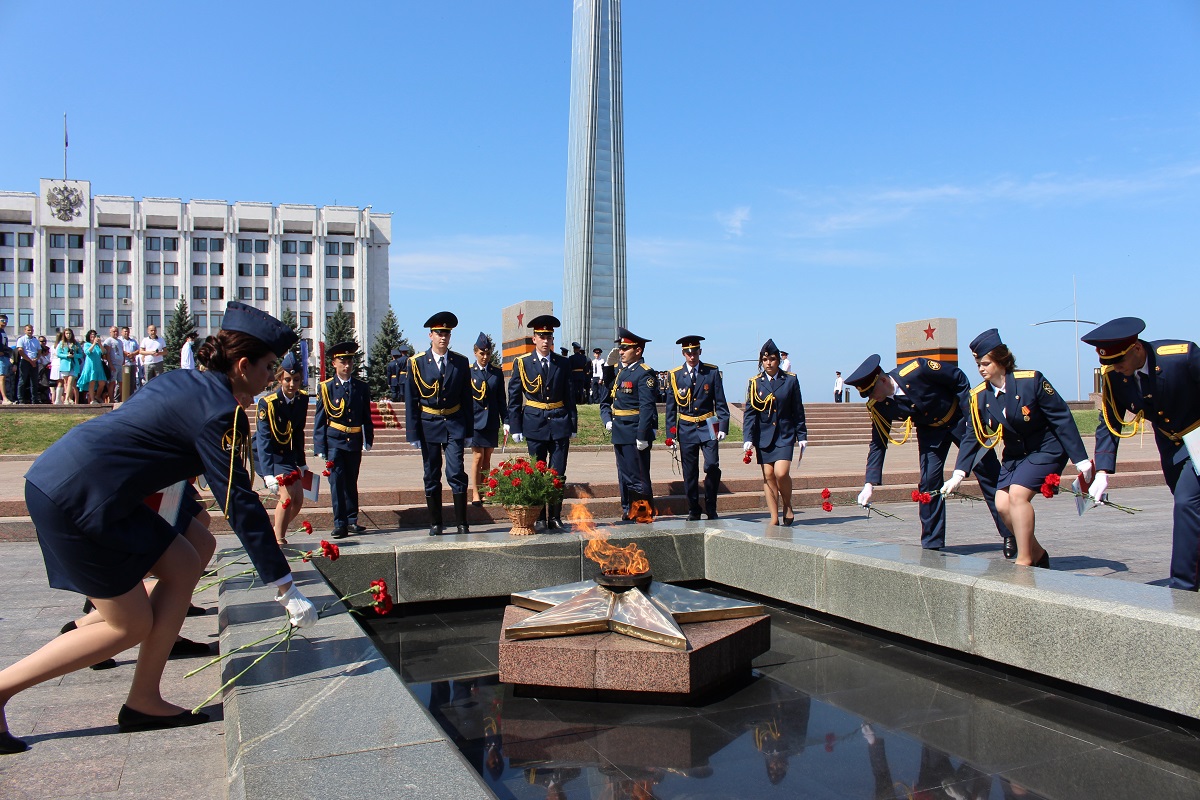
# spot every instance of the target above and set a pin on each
(929, 332)
(520, 318)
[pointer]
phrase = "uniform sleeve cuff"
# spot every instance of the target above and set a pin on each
(282, 582)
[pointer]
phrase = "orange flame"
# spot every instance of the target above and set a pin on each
(628, 560)
(641, 511)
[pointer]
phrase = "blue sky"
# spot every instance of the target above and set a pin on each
(812, 172)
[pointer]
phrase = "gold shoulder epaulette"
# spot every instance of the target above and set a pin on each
(979, 388)
(1025, 373)
(303, 392)
(790, 373)
(676, 370)
(268, 398)
(710, 366)
(1173, 349)
(418, 355)
(909, 368)
(646, 367)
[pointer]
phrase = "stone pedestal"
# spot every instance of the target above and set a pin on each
(935, 338)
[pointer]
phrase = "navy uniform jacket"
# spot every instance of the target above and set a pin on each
(581, 368)
(693, 405)
(280, 435)
(1036, 421)
(177, 426)
(394, 368)
(1170, 400)
(438, 408)
(781, 421)
(487, 395)
(542, 405)
(343, 419)
(936, 397)
(629, 404)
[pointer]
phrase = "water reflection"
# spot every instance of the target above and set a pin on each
(827, 715)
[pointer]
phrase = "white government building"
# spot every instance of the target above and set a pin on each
(71, 259)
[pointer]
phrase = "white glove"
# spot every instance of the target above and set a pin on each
(366, 448)
(864, 496)
(300, 610)
(720, 436)
(1086, 469)
(518, 437)
(802, 445)
(272, 484)
(320, 456)
(1099, 487)
(507, 428)
(952, 484)
(641, 445)
(608, 425)
(416, 444)
(747, 447)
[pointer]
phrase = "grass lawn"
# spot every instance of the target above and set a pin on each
(592, 432)
(33, 433)
(1086, 421)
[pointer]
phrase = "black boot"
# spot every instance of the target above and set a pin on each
(553, 523)
(434, 503)
(460, 512)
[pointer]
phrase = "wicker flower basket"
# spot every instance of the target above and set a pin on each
(523, 518)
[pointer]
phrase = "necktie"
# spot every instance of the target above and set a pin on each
(442, 365)
(545, 365)
(692, 375)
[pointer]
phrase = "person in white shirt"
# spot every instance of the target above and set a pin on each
(597, 374)
(151, 350)
(187, 359)
(838, 386)
(116, 360)
(130, 347)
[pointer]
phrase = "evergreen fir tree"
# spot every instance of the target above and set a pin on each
(289, 318)
(180, 325)
(338, 329)
(389, 338)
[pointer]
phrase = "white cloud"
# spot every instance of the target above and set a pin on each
(456, 260)
(733, 221)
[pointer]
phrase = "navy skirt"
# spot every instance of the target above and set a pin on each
(485, 439)
(778, 452)
(1030, 471)
(77, 562)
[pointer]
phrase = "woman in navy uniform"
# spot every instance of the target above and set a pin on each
(1158, 381)
(542, 406)
(439, 416)
(394, 368)
(774, 424)
(1022, 409)
(695, 396)
(279, 440)
(629, 412)
(100, 538)
(342, 431)
(491, 411)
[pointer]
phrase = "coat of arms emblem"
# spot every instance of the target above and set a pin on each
(65, 202)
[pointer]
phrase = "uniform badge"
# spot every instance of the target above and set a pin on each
(934, 365)
(1047, 388)
(650, 382)
(230, 440)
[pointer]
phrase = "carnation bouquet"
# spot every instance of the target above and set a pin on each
(518, 482)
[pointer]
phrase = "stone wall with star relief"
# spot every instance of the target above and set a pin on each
(516, 338)
(935, 338)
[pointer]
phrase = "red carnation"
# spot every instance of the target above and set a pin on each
(1054, 479)
(826, 494)
(378, 586)
(1047, 491)
(491, 493)
(507, 472)
(672, 431)
(749, 454)
(541, 465)
(382, 602)
(516, 482)
(553, 471)
(669, 441)
(827, 506)
(557, 483)
(285, 502)
(916, 495)
(926, 497)
(308, 528)
(493, 483)
(330, 550)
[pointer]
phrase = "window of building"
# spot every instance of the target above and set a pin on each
(216, 293)
(106, 319)
(347, 272)
(58, 240)
(289, 270)
(104, 291)
(123, 319)
(216, 268)
(153, 292)
(24, 240)
(348, 295)
(153, 268)
(245, 270)
(306, 294)
(305, 319)
(153, 318)
(245, 292)
(306, 248)
(74, 290)
(6, 239)
(7, 290)
(289, 245)
(124, 242)
(216, 245)
(124, 267)
(24, 265)
(331, 271)
(306, 270)
(58, 318)
(57, 265)
(199, 292)
(331, 295)
(124, 291)
(170, 292)
(260, 293)
(153, 243)
(24, 290)
(260, 270)
(104, 266)
(245, 245)
(5, 264)
(75, 318)
(75, 241)
(199, 244)
(170, 243)
(347, 248)
(104, 242)
(58, 290)
(289, 293)
(261, 245)
(26, 317)
(170, 268)
(75, 265)
(217, 318)
(199, 268)
(332, 248)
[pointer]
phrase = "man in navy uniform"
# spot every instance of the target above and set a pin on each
(394, 369)
(342, 430)
(580, 373)
(541, 405)
(1158, 381)
(934, 398)
(698, 419)
(439, 417)
(628, 411)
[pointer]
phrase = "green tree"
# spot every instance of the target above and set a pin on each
(338, 329)
(289, 318)
(389, 338)
(178, 327)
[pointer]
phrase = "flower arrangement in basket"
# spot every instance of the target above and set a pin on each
(518, 482)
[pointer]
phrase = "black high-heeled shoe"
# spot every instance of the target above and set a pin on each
(130, 721)
(1044, 561)
(108, 663)
(10, 744)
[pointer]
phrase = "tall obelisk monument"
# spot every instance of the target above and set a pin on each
(594, 289)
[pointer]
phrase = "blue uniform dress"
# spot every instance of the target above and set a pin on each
(542, 408)
(440, 414)
(1038, 430)
(936, 398)
(86, 492)
(341, 427)
(1167, 395)
(691, 402)
(774, 416)
(279, 438)
(491, 407)
(630, 405)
